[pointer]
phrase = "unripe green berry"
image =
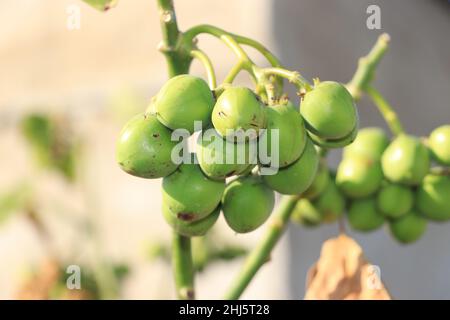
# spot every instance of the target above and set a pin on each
(144, 148)
(320, 182)
(359, 176)
(408, 228)
(329, 111)
(334, 143)
(182, 100)
(331, 203)
(297, 177)
(238, 109)
(433, 197)
(291, 133)
(306, 213)
(190, 228)
(439, 144)
(189, 194)
(363, 215)
(370, 142)
(395, 200)
(405, 160)
(247, 203)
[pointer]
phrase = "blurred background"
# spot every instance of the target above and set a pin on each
(67, 88)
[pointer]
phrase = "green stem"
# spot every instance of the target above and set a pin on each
(204, 59)
(183, 267)
(366, 67)
(386, 111)
(261, 252)
(178, 59)
(292, 76)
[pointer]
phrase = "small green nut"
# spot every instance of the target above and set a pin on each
(370, 142)
(408, 228)
(183, 100)
(297, 177)
(334, 143)
(144, 148)
(439, 144)
(288, 124)
(433, 197)
(305, 213)
(329, 111)
(319, 183)
(189, 194)
(237, 111)
(363, 215)
(359, 176)
(394, 201)
(190, 228)
(405, 160)
(247, 203)
(331, 203)
(220, 159)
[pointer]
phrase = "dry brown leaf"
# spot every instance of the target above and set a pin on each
(342, 272)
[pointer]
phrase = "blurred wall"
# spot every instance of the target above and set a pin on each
(325, 39)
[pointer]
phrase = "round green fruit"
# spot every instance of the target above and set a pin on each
(370, 142)
(238, 111)
(439, 144)
(189, 194)
(334, 143)
(363, 215)
(191, 228)
(291, 139)
(433, 197)
(144, 148)
(408, 228)
(221, 158)
(405, 160)
(297, 177)
(331, 203)
(359, 176)
(183, 100)
(395, 200)
(306, 213)
(247, 203)
(320, 182)
(329, 111)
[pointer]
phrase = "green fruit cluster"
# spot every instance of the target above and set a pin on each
(380, 181)
(259, 148)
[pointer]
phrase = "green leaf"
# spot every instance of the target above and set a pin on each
(102, 5)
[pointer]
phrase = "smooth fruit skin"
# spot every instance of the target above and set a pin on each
(331, 203)
(220, 159)
(237, 109)
(193, 228)
(359, 176)
(291, 133)
(329, 110)
(433, 197)
(144, 148)
(439, 144)
(189, 194)
(182, 100)
(394, 201)
(297, 177)
(370, 142)
(408, 228)
(334, 143)
(363, 215)
(406, 160)
(306, 213)
(320, 182)
(247, 203)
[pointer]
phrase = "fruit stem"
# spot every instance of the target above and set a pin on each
(178, 62)
(386, 111)
(261, 253)
(183, 267)
(292, 76)
(204, 59)
(366, 67)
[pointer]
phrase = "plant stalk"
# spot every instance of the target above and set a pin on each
(178, 59)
